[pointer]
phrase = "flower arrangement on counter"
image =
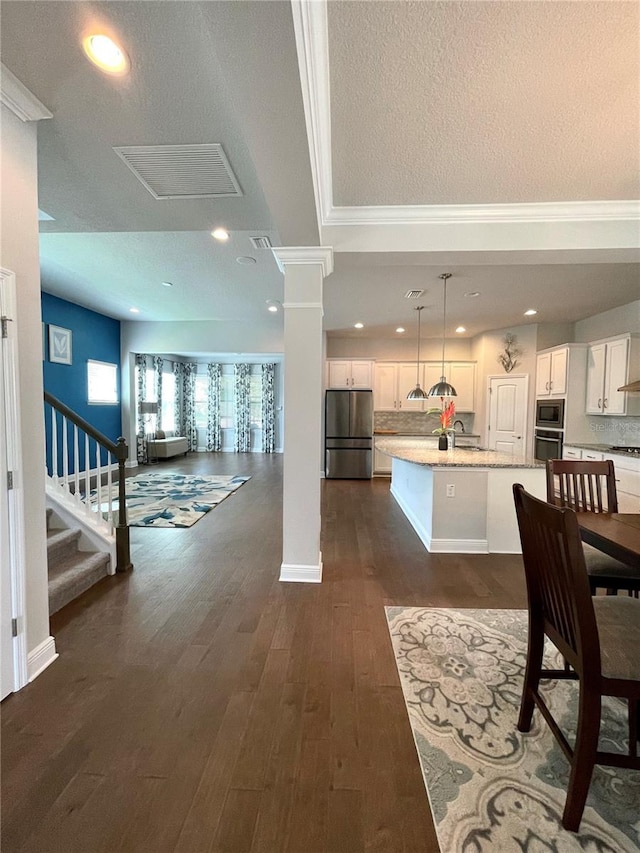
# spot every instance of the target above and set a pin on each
(447, 414)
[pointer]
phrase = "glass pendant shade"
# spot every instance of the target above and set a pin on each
(417, 393)
(443, 388)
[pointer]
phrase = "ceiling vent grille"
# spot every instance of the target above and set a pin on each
(413, 294)
(260, 242)
(182, 171)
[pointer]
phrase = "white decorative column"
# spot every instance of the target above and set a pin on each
(304, 271)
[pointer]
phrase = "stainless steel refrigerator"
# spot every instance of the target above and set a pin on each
(348, 435)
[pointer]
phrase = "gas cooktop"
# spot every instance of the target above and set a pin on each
(628, 449)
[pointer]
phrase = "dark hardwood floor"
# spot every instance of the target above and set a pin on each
(198, 704)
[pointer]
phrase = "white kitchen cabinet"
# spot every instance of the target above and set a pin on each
(571, 452)
(385, 387)
(608, 369)
(462, 375)
(394, 380)
(407, 374)
(551, 373)
(381, 462)
(591, 456)
(344, 373)
(627, 472)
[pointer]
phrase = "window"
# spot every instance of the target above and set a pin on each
(168, 402)
(202, 393)
(255, 401)
(102, 382)
(227, 414)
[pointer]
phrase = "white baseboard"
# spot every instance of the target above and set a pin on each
(459, 546)
(439, 546)
(41, 657)
(295, 573)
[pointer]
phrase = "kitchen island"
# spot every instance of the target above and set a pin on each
(460, 501)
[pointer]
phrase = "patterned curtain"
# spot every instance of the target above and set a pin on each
(189, 404)
(178, 416)
(214, 436)
(158, 363)
(141, 441)
(242, 374)
(268, 408)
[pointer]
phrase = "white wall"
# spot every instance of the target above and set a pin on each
(625, 318)
(485, 349)
(19, 241)
(403, 348)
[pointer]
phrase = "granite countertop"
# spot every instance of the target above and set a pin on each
(414, 450)
(600, 448)
(401, 434)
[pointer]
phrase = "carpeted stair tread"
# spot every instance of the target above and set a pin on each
(75, 574)
(61, 544)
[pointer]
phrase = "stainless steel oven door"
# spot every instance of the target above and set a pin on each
(547, 444)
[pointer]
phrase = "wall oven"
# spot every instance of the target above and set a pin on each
(547, 444)
(550, 414)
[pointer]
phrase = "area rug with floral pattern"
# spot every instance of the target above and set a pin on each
(170, 500)
(492, 788)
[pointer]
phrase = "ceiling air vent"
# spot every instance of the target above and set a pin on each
(260, 242)
(413, 294)
(182, 171)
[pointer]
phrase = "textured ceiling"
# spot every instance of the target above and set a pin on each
(483, 102)
(228, 72)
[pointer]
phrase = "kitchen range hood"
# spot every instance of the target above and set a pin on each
(631, 386)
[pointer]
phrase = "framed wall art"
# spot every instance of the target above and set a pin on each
(59, 345)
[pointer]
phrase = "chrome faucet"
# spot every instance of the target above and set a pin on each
(461, 425)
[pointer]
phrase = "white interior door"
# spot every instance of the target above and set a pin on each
(508, 414)
(6, 639)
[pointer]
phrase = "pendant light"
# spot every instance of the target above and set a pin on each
(417, 393)
(442, 388)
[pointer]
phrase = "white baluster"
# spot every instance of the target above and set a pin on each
(109, 493)
(99, 483)
(87, 476)
(54, 445)
(65, 454)
(76, 465)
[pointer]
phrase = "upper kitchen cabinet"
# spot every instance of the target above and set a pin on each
(349, 374)
(608, 369)
(551, 372)
(394, 380)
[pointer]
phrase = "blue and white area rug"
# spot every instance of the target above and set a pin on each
(172, 500)
(492, 788)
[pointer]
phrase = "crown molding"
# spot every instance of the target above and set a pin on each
(296, 255)
(16, 96)
(312, 44)
(561, 211)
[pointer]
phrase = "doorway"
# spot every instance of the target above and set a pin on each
(507, 427)
(13, 658)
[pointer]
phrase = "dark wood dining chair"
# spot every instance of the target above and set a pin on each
(598, 637)
(591, 487)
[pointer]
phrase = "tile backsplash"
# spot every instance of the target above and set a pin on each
(418, 423)
(614, 431)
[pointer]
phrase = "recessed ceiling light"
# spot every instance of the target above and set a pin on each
(134, 310)
(530, 312)
(400, 330)
(358, 325)
(167, 283)
(246, 259)
(106, 54)
(461, 329)
(273, 305)
(220, 234)
(472, 294)
(273, 308)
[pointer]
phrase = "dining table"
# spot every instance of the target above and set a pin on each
(614, 533)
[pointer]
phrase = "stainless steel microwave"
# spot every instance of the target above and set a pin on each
(550, 414)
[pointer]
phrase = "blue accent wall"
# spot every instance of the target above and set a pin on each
(96, 337)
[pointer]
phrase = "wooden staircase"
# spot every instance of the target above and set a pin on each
(73, 566)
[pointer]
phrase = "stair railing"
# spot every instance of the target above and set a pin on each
(65, 443)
